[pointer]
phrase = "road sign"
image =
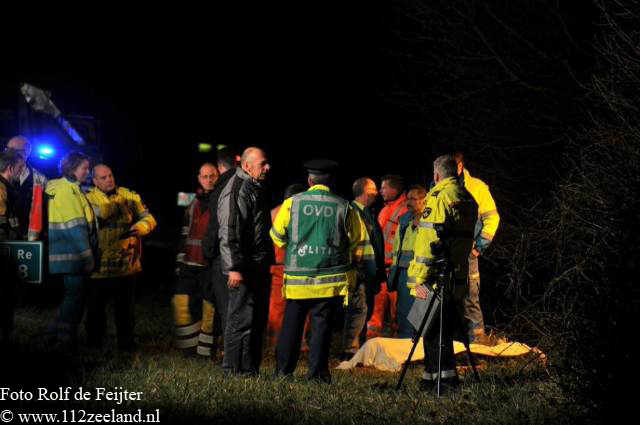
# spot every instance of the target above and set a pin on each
(23, 259)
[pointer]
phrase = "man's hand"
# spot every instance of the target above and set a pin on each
(235, 280)
(475, 252)
(422, 292)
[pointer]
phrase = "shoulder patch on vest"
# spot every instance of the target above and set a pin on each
(426, 212)
(435, 193)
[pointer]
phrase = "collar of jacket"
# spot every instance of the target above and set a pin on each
(400, 199)
(444, 183)
(6, 182)
(74, 181)
(319, 187)
(244, 176)
(203, 196)
(359, 205)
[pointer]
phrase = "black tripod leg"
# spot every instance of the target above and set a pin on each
(440, 345)
(416, 339)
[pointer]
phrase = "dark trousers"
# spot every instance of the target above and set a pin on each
(220, 293)
(452, 320)
(288, 349)
(248, 311)
(121, 290)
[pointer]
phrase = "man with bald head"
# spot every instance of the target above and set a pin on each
(195, 303)
(246, 254)
(30, 189)
(123, 220)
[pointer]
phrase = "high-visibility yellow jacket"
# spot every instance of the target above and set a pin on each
(322, 282)
(403, 244)
(488, 217)
(117, 214)
(365, 256)
(448, 206)
(71, 228)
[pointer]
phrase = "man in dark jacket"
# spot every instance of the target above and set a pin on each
(226, 164)
(246, 253)
(11, 166)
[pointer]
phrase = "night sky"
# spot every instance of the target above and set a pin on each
(301, 82)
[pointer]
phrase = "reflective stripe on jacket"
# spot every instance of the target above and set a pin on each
(488, 217)
(72, 238)
(403, 244)
(450, 206)
(332, 243)
(389, 218)
(366, 263)
(196, 222)
(117, 214)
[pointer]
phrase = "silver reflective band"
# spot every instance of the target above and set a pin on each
(188, 330)
(426, 224)
(411, 279)
(276, 234)
(489, 213)
(315, 280)
(207, 339)
(204, 351)
(450, 373)
(187, 343)
(69, 224)
(194, 242)
(144, 214)
(70, 257)
(427, 261)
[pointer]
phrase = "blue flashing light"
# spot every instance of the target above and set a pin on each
(45, 152)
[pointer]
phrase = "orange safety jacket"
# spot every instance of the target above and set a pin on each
(389, 218)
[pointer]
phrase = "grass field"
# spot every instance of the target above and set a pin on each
(193, 390)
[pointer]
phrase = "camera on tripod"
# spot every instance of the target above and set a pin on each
(440, 253)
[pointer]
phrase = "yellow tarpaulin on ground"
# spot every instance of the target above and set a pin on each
(388, 354)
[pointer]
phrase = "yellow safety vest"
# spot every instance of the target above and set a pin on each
(311, 285)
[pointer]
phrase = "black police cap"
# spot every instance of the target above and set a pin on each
(320, 166)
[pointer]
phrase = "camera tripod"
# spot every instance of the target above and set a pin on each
(443, 279)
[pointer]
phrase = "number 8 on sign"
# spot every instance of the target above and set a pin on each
(23, 271)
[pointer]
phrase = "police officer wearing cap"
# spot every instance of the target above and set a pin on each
(321, 236)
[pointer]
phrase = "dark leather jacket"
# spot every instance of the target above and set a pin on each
(244, 220)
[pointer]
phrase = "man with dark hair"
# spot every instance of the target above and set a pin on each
(403, 246)
(123, 220)
(321, 233)
(226, 163)
(31, 186)
(227, 159)
(11, 165)
(246, 254)
(392, 190)
(486, 228)
(371, 269)
(445, 229)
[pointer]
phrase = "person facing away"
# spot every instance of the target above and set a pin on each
(321, 235)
